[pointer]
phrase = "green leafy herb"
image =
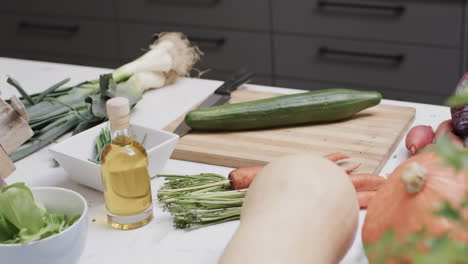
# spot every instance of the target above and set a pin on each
(102, 140)
(443, 250)
(451, 155)
(23, 219)
(449, 212)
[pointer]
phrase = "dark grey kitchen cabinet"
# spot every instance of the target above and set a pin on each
(67, 36)
(233, 35)
(83, 8)
(231, 14)
(422, 22)
(224, 51)
(406, 49)
(379, 65)
(59, 58)
(402, 95)
(412, 47)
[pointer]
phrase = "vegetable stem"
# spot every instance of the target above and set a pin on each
(51, 89)
(20, 89)
(225, 183)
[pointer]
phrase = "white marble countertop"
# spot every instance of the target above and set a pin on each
(157, 242)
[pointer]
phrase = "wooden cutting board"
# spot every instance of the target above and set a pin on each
(369, 138)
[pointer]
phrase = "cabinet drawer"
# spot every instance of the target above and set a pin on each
(238, 14)
(59, 58)
(391, 94)
(432, 22)
(84, 8)
(65, 36)
(411, 68)
(223, 50)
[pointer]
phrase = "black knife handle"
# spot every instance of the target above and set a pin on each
(229, 86)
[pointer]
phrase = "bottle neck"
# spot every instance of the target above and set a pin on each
(121, 135)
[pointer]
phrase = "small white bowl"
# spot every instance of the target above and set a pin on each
(64, 247)
(74, 153)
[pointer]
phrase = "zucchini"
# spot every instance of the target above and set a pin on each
(296, 109)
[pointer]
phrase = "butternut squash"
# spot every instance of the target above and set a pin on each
(299, 209)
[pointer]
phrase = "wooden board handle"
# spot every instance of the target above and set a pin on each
(14, 130)
(6, 165)
(19, 107)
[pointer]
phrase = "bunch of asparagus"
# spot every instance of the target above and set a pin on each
(201, 200)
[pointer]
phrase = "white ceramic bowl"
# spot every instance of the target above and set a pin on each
(74, 153)
(65, 247)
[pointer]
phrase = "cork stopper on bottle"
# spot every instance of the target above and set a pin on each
(118, 111)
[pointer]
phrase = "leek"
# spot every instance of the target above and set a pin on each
(59, 110)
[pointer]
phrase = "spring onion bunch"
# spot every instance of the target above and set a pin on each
(200, 200)
(60, 109)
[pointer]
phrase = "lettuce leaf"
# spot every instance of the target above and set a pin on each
(17, 206)
(7, 230)
(23, 219)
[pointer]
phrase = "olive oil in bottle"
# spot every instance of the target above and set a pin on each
(124, 169)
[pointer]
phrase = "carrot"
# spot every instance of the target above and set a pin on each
(336, 156)
(446, 128)
(242, 177)
(364, 198)
(366, 182)
(355, 167)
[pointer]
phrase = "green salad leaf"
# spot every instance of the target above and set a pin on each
(7, 230)
(23, 219)
(17, 205)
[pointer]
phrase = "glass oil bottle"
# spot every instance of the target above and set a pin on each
(124, 170)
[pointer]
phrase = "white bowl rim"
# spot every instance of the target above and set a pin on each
(172, 138)
(85, 211)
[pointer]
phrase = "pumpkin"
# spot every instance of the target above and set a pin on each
(413, 192)
(298, 209)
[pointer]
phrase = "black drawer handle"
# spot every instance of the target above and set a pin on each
(27, 25)
(396, 9)
(208, 42)
(397, 58)
(187, 2)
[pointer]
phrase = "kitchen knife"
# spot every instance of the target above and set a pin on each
(220, 96)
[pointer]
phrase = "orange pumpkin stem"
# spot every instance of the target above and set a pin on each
(414, 177)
